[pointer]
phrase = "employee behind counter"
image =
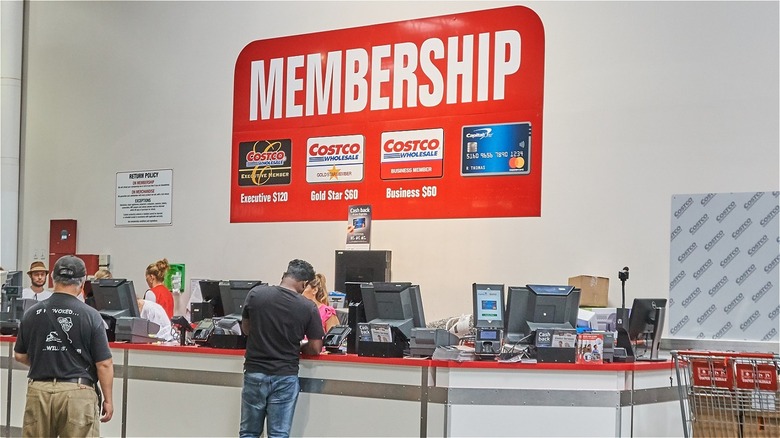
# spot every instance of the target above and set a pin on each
(156, 314)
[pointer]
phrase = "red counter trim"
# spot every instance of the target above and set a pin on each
(190, 349)
(351, 358)
(627, 366)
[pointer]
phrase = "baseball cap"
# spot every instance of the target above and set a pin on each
(37, 267)
(70, 267)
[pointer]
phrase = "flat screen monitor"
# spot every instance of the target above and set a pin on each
(540, 306)
(233, 294)
(211, 293)
(488, 302)
(642, 319)
(398, 304)
(14, 309)
(13, 284)
(115, 297)
(361, 267)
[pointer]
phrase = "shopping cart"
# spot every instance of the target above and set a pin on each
(728, 394)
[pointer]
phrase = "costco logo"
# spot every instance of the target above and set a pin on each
(270, 158)
(427, 147)
(419, 145)
(334, 152)
(335, 159)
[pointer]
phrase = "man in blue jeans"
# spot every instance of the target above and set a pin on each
(276, 319)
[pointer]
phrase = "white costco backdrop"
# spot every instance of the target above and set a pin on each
(723, 278)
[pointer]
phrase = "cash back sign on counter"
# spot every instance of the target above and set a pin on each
(359, 227)
(433, 118)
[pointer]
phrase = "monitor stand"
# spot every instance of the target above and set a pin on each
(623, 342)
(355, 316)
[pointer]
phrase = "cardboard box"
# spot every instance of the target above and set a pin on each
(760, 425)
(760, 413)
(595, 290)
(716, 426)
(713, 413)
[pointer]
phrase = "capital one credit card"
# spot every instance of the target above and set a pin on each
(502, 149)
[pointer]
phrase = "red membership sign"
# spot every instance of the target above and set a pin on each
(439, 117)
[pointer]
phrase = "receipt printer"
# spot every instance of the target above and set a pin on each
(136, 330)
(424, 341)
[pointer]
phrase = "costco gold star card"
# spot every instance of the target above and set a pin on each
(334, 159)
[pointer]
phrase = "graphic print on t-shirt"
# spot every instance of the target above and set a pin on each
(66, 323)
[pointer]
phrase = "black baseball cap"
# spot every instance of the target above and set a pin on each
(69, 267)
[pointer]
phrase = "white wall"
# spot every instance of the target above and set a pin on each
(642, 100)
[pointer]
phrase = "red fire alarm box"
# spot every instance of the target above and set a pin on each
(62, 236)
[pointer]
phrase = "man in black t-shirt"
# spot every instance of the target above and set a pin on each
(276, 319)
(64, 342)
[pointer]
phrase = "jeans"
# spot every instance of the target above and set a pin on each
(267, 396)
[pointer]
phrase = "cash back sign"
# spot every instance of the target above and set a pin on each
(432, 118)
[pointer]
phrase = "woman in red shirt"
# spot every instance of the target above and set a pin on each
(155, 275)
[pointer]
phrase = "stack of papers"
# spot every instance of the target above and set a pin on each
(458, 353)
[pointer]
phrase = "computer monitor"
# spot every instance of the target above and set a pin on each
(361, 267)
(645, 324)
(211, 293)
(12, 311)
(398, 304)
(13, 285)
(488, 300)
(540, 306)
(642, 319)
(115, 297)
(233, 294)
(11, 293)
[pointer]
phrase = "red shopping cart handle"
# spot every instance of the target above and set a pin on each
(724, 354)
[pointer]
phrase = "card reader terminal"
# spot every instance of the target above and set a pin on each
(203, 331)
(488, 341)
(336, 336)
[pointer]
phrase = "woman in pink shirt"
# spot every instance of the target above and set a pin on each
(317, 291)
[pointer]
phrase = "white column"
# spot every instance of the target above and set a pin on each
(11, 36)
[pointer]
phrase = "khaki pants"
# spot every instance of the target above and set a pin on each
(61, 409)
